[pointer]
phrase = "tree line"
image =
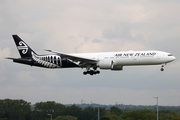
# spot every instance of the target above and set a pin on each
(21, 110)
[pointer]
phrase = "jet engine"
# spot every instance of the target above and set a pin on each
(109, 64)
(105, 64)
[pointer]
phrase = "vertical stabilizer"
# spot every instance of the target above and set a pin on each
(23, 48)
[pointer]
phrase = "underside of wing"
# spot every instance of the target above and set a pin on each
(81, 61)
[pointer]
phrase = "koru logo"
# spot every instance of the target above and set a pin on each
(22, 46)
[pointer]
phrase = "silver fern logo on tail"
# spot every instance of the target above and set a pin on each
(22, 46)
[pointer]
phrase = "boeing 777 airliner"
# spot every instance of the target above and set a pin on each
(90, 61)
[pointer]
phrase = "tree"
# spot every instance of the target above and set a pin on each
(163, 116)
(41, 110)
(65, 118)
(15, 109)
(116, 110)
(164, 111)
(89, 113)
(174, 116)
(105, 118)
(75, 111)
(111, 117)
(150, 115)
(3, 119)
(142, 115)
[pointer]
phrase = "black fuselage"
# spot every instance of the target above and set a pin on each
(53, 64)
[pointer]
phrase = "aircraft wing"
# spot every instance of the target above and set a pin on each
(82, 61)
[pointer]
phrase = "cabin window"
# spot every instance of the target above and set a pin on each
(54, 59)
(48, 59)
(59, 62)
(51, 59)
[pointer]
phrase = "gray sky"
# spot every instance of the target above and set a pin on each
(90, 26)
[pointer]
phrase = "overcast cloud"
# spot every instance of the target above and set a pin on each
(90, 26)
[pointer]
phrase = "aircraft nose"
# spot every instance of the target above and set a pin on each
(173, 58)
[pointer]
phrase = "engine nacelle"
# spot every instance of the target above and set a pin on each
(105, 64)
(109, 64)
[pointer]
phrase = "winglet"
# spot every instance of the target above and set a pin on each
(48, 50)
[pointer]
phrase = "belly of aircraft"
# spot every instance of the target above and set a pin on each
(137, 61)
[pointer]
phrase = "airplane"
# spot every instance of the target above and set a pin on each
(90, 61)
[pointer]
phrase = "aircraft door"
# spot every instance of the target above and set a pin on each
(99, 57)
(158, 56)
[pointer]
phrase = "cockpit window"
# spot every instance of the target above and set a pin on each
(170, 55)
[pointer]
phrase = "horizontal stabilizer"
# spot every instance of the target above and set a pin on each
(20, 59)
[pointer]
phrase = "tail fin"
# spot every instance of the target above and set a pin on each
(23, 48)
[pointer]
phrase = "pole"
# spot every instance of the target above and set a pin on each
(157, 109)
(98, 113)
(157, 106)
(50, 115)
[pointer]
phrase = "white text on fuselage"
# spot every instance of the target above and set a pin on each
(144, 54)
